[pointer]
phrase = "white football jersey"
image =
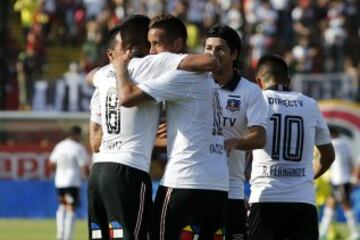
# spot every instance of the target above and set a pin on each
(243, 106)
(95, 108)
(283, 170)
(341, 168)
(69, 156)
(196, 156)
(129, 133)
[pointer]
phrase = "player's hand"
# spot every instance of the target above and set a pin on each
(230, 144)
(161, 136)
(121, 59)
(162, 131)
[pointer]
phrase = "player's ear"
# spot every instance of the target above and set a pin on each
(179, 45)
(110, 54)
(234, 55)
(258, 81)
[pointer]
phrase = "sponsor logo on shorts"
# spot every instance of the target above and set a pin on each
(219, 235)
(95, 231)
(115, 230)
(190, 233)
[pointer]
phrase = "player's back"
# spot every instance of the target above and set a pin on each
(282, 171)
(69, 156)
(129, 133)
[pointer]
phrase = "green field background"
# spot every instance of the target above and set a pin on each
(33, 229)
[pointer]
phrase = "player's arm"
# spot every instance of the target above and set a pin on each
(129, 94)
(95, 136)
(199, 63)
(254, 139)
(95, 130)
(248, 165)
(51, 166)
(327, 157)
(89, 79)
(85, 170)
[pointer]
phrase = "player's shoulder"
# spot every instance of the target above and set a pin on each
(309, 102)
(153, 57)
(247, 85)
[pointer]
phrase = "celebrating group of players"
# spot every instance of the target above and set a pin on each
(214, 116)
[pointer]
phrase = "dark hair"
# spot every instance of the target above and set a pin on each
(172, 25)
(75, 131)
(133, 31)
(275, 66)
(111, 35)
(231, 37)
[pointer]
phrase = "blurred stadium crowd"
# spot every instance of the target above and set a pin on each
(314, 36)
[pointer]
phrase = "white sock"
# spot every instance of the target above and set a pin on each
(69, 225)
(60, 220)
(350, 220)
(325, 221)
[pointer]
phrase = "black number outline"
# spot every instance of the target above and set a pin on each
(289, 121)
(112, 112)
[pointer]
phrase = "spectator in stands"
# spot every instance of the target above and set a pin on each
(335, 36)
(341, 175)
(91, 48)
(73, 78)
(70, 160)
(27, 9)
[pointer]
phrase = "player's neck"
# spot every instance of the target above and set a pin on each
(277, 87)
(224, 77)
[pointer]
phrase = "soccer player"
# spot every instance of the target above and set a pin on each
(282, 194)
(340, 177)
(70, 160)
(244, 120)
(196, 168)
(123, 210)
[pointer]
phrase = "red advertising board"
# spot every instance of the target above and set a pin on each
(24, 162)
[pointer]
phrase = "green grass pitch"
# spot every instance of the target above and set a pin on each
(45, 229)
(34, 229)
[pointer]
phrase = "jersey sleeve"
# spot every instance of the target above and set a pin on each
(170, 61)
(322, 134)
(97, 79)
(103, 72)
(82, 156)
(172, 86)
(155, 65)
(54, 156)
(257, 109)
(95, 109)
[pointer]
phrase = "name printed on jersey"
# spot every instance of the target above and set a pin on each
(279, 171)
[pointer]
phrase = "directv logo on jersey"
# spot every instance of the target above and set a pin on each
(233, 105)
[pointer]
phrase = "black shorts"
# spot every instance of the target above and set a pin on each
(185, 213)
(278, 221)
(120, 203)
(236, 222)
(341, 193)
(70, 195)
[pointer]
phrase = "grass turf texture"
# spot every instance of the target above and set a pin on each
(45, 229)
(34, 229)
